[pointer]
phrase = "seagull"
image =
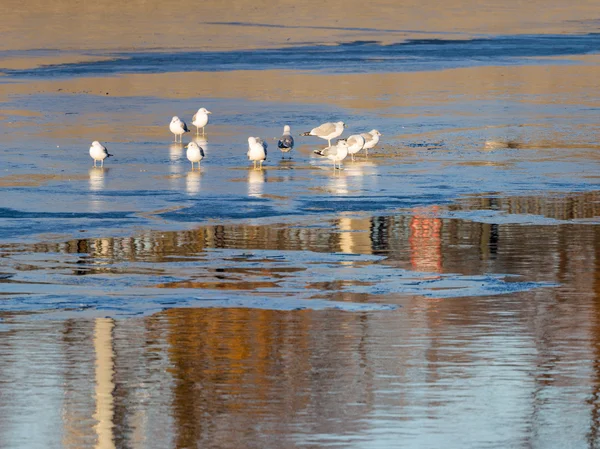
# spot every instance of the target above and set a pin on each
(194, 153)
(356, 143)
(371, 139)
(286, 143)
(178, 127)
(336, 154)
(327, 131)
(257, 150)
(98, 152)
(200, 119)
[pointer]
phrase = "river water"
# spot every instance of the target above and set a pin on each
(442, 291)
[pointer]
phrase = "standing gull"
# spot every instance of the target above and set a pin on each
(286, 143)
(178, 127)
(98, 152)
(356, 143)
(336, 154)
(200, 119)
(371, 139)
(327, 131)
(257, 151)
(194, 153)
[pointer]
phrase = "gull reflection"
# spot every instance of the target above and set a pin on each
(105, 385)
(175, 152)
(256, 180)
(97, 178)
(192, 182)
(361, 172)
(97, 183)
(202, 141)
(338, 183)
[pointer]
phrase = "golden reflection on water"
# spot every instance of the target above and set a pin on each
(420, 241)
(213, 377)
(105, 385)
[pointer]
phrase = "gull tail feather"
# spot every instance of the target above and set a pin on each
(306, 133)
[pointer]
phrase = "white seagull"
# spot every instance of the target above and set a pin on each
(178, 127)
(286, 142)
(200, 119)
(356, 143)
(98, 152)
(194, 153)
(336, 154)
(327, 131)
(371, 139)
(257, 150)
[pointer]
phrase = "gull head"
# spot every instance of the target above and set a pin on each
(193, 146)
(342, 124)
(204, 110)
(251, 140)
(374, 132)
(287, 129)
(95, 143)
(174, 119)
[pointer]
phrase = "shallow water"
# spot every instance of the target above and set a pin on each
(441, 291)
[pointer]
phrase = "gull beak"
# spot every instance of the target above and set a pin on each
(208, 112)
(345, 126)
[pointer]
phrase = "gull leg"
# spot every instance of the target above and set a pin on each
(203, 130)
(260, 164)
(102, 163)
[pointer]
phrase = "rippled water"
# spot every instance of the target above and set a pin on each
(441, 292)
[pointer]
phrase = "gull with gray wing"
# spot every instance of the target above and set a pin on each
(178, 127)
(327, 131)
(286, 142)
(371, 139)
(98, 152)
(356, 143)
(335, 154)
(257, 151)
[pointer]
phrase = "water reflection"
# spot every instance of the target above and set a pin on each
(256, 182)
(97, 178)
(192, 181)
(337, 182)
(97, 183)
(175, 152)
(214, 377)
(105, 385)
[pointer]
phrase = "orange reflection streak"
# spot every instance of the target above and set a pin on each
(425, 241)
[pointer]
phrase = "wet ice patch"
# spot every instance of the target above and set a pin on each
(56, 284)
